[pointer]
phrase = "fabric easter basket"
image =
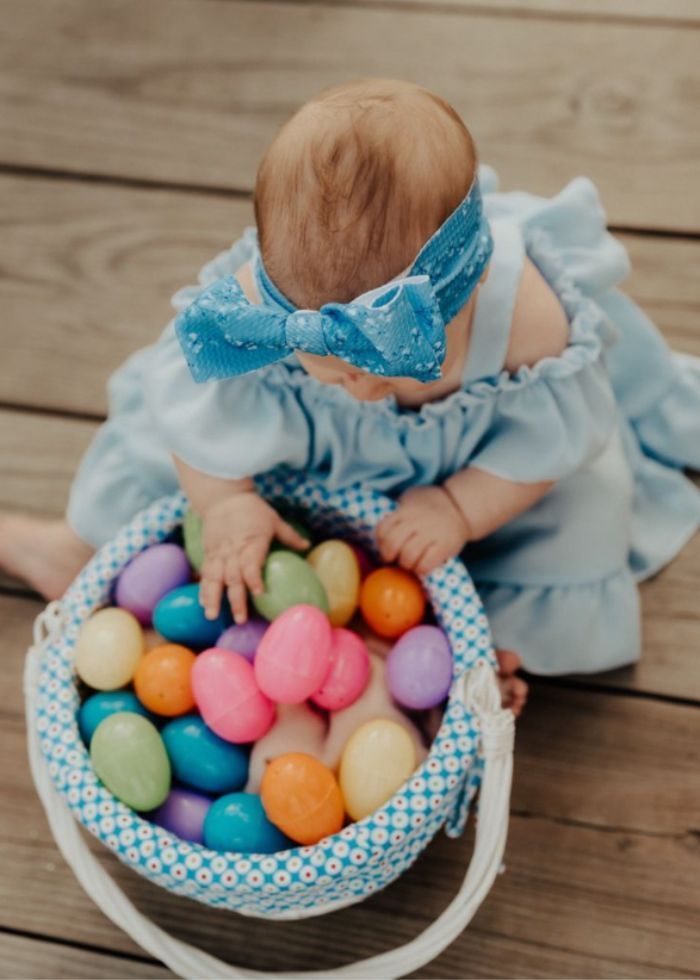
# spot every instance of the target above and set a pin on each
(472, 749)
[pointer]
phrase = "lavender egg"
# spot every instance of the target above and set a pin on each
(243, 638)
(149, 577)
(419, 668)
(183, 814)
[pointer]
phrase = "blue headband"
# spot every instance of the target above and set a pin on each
(396, 330)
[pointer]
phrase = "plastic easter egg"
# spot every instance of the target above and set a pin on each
(128, 755)
(108, 649)
(336, 566)
(150, 576)
(183, 814)
(419, 668)
(301, 796)
(102, 705)
(348, 672)
(289, 581)
(293, 656)
(243, 638)
(180, 618)
(192, 528)
(392, 601)
(365, 563)
(228, 696)
(201, 759)
(162, 680)
(378, 758)
(237, 822)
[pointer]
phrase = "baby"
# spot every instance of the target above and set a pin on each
(395, 320)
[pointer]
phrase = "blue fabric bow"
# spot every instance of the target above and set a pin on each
(395, 330)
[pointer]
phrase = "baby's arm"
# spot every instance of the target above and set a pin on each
(239, 527)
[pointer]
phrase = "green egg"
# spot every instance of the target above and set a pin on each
(289, 581)
(129, 756)
(192, 534)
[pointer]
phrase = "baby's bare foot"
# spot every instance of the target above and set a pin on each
(46, 554)
(513, 689)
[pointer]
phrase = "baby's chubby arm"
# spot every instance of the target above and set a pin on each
(239, 527)
(432, 524)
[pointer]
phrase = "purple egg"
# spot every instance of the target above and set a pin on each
(243, 639)
(419, 668)
(183, 814)
(149, 577)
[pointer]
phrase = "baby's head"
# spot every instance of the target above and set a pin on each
(350, 190)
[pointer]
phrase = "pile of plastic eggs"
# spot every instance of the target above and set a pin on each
(269, 734)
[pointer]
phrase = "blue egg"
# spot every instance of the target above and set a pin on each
(201, 759)
(180, 618)
(237, 822)
(102, 705)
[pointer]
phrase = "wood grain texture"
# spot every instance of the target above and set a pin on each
(665, 11)
(88, 271)
(193, 90)
(610, 891)
(34, 958)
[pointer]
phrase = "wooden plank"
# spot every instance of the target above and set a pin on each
(39, 455)
(602, 867)
(664, 11)
(192, 91)
(24, 956)
(91, 269)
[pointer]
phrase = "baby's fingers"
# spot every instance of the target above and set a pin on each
(412, 551)
(286, 534)
(211, 586)
(252, 561)
(393, 540)
(236, 590)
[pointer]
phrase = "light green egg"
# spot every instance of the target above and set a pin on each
(289, 581)
(129, 756)
(192, 528)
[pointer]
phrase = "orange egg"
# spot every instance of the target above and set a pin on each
(162, 680)
(301, 796)
(392, 601)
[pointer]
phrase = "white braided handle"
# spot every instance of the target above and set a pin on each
(478, 689)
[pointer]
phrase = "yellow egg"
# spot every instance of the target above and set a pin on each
(377, 759)
(109, 648)
(339, 571)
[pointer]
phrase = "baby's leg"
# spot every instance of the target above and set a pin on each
(46, 554)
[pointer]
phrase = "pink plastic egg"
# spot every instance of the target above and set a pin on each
(228, 697)
(348, 672)
(294, 654)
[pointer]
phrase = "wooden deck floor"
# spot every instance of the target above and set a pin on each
(129, 135)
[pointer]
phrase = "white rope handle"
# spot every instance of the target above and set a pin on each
(480, 692)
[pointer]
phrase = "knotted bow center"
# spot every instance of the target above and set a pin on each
(304, 330)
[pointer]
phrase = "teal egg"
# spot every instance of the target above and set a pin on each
(128, 755)
(102, 705)
(201, 759)
(192, 528)
(238, 822)
(289, 581)
(180, 618)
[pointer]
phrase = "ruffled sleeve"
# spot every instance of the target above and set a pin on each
(229, 429)
(544, 422)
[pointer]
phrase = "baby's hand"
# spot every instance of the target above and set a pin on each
(425, 530)
(237, 535)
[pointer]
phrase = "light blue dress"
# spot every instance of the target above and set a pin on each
(613, 421)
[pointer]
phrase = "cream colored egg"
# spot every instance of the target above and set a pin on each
(337, 567)
(377, 759)
(109, 648)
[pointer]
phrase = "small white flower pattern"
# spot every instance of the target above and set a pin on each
(339, 870)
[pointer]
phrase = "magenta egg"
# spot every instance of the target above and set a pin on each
(228, 696)
(348, 672)
(419, 668)
(149, 577)
(293, 656)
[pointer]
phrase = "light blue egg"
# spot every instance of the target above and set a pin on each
(201, 759)
(180, 618)
(238, 822)
(103, 704)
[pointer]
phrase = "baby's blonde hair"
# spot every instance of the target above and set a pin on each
(354, 184)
